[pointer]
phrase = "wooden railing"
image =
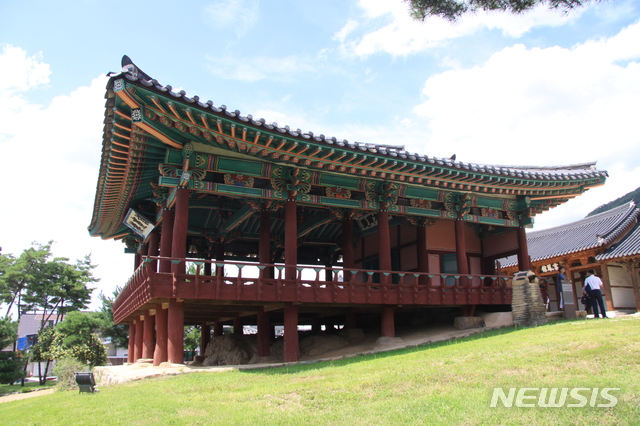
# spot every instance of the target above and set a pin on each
(254, 282)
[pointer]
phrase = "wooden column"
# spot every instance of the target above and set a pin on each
(237, 326)
(348, 256)
(264, 333)
(604, 271)
(461, 248)
(175, 332)
(139, 338)
(636, 289)
(132, 340)
(205, 337)
(168, 216)
(387, 322)
(384, 245)
(218, 328)
(523, 251)
(264, 244)
(148, 340)
(423, 255)
(180, 225)
(350, 319)
(220, 257)
(153, 250)
(290, 238)
(207, 265)
(291, 347)
(160, 353)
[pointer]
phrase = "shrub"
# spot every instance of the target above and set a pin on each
(65, 370)
(11, 367)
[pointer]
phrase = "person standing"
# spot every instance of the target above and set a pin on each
(559, 278)
(592, 287)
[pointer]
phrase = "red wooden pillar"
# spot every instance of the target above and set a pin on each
(207, 265)
(175, 332)
(160, 353)
(180, 225)
(523, 251)
(264, 244)
(423, 255)
(132, 340)
(348, 256)
(350, 319)
(461, 248)
(237, 326)
(220, 257)
(205, 337)
(290, 238)
(387, 322)
(384, 240)
(148, 340)
(153, 250)
(263, 333)
(291, 347)
(139, 338)
(168, 217)
(218, 328)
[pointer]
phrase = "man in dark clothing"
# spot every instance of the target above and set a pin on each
(591, 288)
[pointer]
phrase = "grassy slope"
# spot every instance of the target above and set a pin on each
(445, 383)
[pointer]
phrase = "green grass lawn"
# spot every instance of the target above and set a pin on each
(444, 383)
(28, 387)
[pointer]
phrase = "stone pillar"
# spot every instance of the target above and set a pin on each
(291, 346)
(132, 339)
(139, 338)
(168, 217)
(175, 332)
(264, 333)
(387, 322)
(181, 223)
(205, 337)
(290, 238)
(160, 353)
(148, 341)
(523, 251)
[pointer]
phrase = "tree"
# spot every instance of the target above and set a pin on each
(452, 10)
(191, 337)
(74, 337)
(17, 273)
(118, 333)
(8, 332)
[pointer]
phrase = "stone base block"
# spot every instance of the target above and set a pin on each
(464, 323)
(497, 319)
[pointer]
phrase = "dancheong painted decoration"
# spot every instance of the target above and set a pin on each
(252, 223)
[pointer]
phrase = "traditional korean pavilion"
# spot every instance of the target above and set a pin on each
(234, 220)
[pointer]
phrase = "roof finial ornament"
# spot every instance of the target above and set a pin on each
(453, 157)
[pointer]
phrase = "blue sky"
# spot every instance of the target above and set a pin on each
(544, 88)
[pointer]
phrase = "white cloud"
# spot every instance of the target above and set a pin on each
(49, 169)
(259, 67)
(551, 106)
(237, 15)
(388, 27)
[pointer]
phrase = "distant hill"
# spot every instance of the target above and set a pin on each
(631, 196)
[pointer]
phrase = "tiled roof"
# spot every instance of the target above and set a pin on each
(628, 247)
(549, 173)
(594, 231)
